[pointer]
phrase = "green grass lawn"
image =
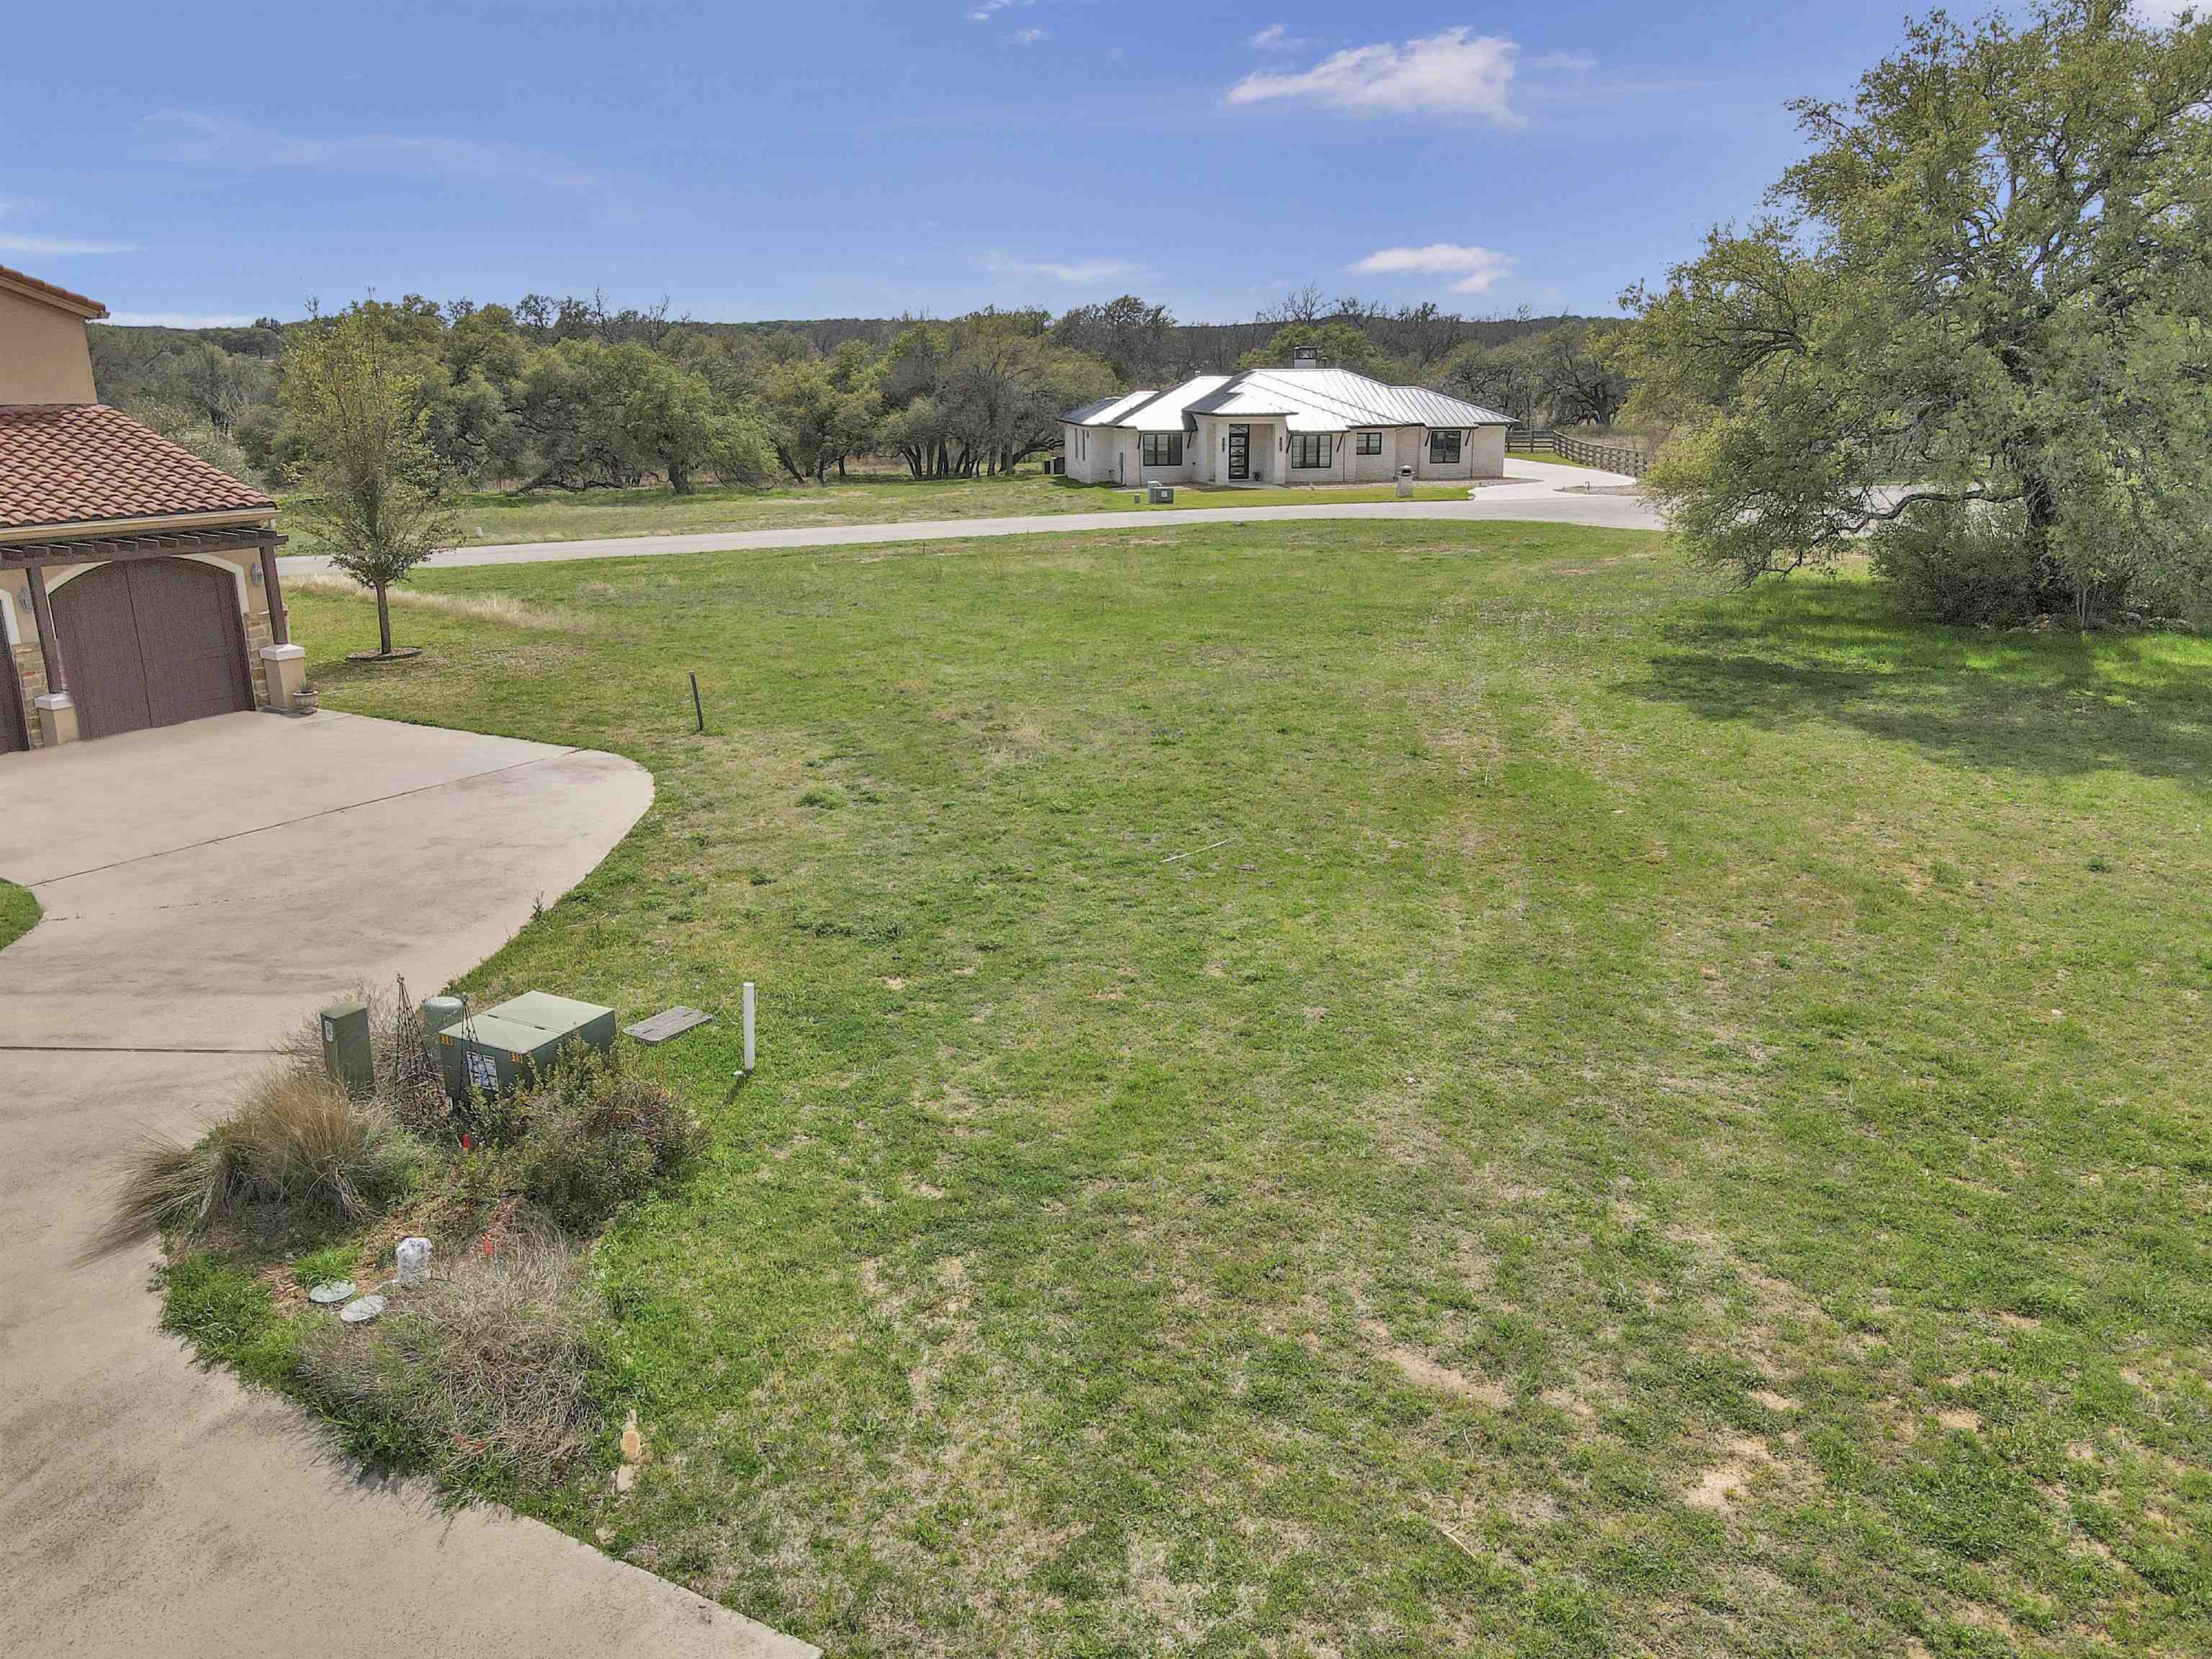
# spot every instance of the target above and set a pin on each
(493, 516)
(1404, 1089)
(19, 912)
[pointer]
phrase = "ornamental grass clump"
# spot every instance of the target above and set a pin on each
(296, 1144)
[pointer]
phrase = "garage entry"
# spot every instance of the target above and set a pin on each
(151, 642)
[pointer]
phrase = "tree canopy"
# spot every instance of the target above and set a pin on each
(356, 400)
(572, 394)
(1969, 333)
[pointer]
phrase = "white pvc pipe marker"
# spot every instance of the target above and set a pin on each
(749, 1027)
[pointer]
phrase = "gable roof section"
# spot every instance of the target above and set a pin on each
(1336, 400)
(61, 299)
(1109, 411)
(84, 464)
(1166, 410)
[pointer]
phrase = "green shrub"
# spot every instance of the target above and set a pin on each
(602, 1135)
(1967, 566)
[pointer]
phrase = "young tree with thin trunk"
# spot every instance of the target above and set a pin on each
(362, 411)
(1971, 337)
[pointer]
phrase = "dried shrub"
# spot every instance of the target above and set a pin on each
(482, 1375)
(296, 1142)
(602, 1134)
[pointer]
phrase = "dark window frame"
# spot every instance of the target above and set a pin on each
(1161, 448)
(1370, 443)
(1318, 444)
(1436, 439)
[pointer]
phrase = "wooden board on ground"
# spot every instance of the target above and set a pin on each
(670, 1022)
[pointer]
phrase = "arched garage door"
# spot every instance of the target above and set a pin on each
(150, 642)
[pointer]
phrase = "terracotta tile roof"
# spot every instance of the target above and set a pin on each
(68, 297)
(71, 464)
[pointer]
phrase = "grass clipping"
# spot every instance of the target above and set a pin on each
(481, 1377)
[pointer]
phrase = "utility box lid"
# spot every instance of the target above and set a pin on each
(559, 1015)
(511, 1036)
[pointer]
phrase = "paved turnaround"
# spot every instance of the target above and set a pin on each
(1540, 490)
(205, 888)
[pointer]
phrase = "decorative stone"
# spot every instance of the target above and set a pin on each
(360, 1312)
(336, 1290)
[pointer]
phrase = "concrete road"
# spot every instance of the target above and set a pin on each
(1539, 490)
(205, 887)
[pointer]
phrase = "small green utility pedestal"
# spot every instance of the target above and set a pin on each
(347, 1056)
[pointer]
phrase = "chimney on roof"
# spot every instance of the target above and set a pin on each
(1306, 357)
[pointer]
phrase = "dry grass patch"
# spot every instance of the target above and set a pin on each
(484, 1376)
(500, 610)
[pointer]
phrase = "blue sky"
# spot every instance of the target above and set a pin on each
(742, 160)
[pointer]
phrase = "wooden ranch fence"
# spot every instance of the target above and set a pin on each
(1613, 458)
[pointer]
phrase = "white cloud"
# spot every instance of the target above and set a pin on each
(2162, 12)
(987, 10)
(1476, 269)
(214, 140)
(1453, 72)
(49, 247)
(58, 248)
(1077, 273)
(178, 319)
(1277, 37)
(1027, 37)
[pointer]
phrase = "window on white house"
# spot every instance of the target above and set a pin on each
(1370, 443)
(1164, 449)
(1443, 449)
(1309, 449)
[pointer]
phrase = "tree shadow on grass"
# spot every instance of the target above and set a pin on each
(2054, 704)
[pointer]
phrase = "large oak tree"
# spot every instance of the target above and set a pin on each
(1971, 331)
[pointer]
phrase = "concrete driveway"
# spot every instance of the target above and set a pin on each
(205, 887)
(1542, 491)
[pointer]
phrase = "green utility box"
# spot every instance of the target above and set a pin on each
(504, 1048)
(347, 1054)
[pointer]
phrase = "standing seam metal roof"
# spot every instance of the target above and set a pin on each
(1305, 399)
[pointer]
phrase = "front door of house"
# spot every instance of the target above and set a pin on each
(1240, 453)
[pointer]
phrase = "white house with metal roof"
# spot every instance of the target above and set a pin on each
(1305, 425)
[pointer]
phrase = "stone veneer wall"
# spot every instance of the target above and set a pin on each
(31, 680)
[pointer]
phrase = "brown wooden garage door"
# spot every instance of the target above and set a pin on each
(150, 642)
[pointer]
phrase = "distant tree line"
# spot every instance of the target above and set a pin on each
(570, 394)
